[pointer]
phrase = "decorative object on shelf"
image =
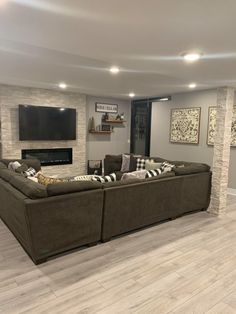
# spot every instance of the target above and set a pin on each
(107, 108)
(116, 119)
(106, 127)
(91, 124)
(122, 116)
(185, 125)
(94, 167)
(212, 126)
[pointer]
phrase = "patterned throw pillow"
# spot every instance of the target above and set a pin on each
(125, 163)
(109, 178)
(82, 178)
(153, 173)
(48, 180)
(140, 164)
(30, 172)
(166, 167)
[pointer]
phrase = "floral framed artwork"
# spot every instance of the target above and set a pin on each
(185, 125)
(212, 126)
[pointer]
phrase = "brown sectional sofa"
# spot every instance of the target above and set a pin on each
(140, 203)
(57, 218)
(48, 221)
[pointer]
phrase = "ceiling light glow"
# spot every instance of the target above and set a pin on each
(114, 70)
(3, 2)
(131, 95)
(192, 57)
(192, 85)
(164, 99)
(63, 85)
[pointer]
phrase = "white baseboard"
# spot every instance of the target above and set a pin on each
(231, 191)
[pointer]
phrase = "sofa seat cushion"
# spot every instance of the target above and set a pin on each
(31, 189)
(72, 187)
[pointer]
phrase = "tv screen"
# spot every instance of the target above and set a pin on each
(46, 123)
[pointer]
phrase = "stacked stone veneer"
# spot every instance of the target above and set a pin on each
(225, 102)
(11, 97)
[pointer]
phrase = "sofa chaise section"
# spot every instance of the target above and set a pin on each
(67, 216)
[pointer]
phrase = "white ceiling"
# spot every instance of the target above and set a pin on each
(43, 42)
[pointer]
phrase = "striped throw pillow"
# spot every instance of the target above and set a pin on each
(30, 172)
(167, 167)
(153, 173)
(109, 178)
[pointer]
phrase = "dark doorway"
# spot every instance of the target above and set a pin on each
(141, 111)
(141, 119)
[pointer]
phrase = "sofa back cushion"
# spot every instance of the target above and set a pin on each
(72, 187)
(191, 168)
(34, 163)
(7, 174)
(2, 165)
(112, 163)
(31, 189)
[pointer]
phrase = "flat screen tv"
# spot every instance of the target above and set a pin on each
(46, 123)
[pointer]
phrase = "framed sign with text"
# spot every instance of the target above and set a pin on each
(103, 107)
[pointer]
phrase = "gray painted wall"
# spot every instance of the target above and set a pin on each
(160, 145)
(119, 141)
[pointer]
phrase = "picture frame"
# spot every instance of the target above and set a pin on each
(106, 127)
(211, 128)
(106, 108)
(185, 125)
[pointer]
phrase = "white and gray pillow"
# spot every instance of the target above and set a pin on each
(140, 174)
(125, 163)
(151, 165)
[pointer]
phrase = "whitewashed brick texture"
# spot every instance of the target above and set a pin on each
(225, 102)
(12, 96)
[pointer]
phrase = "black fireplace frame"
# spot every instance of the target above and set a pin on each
(26, 152)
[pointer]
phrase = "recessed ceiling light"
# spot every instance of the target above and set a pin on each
(192, 57)
(192, 85)
(114, 70)
(164, 99)
(63, 85)
(131, 95)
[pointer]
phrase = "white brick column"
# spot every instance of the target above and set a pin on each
(225, 103)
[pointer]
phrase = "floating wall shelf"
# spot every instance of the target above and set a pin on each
(114, 121)
(100, 132)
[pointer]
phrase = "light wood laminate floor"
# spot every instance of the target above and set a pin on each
(183, 266)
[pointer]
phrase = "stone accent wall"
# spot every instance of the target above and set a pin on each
(225, 102)
(12, 96)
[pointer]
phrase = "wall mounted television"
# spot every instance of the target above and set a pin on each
(38, 123)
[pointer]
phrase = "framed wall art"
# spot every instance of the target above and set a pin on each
(212, 126)
(103, 107)
(185, 125)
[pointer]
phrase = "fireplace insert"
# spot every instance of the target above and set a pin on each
(50, 157)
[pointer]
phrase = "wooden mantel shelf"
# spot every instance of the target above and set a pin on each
(114, 121)
(100, 132)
